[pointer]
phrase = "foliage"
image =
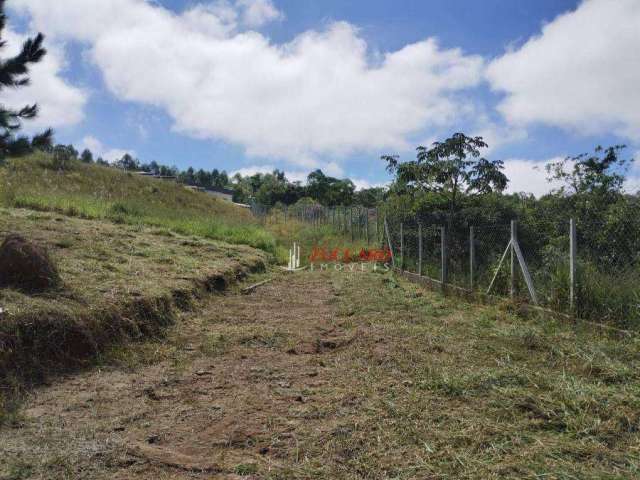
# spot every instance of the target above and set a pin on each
(600, 174)
(448, 170)
(271, 188)
(608, 228)
(14, 74)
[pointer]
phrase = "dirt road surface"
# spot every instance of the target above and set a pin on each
(320, 375)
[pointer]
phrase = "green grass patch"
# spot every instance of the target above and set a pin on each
(97, 192)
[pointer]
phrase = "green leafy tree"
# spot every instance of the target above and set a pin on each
(222, 181)
(127, 162)
(592, 192)
(14, 74)
(450, 170)
(602, 173)
(328, 190)
(86, 156)
(369, 197)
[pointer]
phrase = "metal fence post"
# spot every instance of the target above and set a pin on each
(366, 226)
(514, 239)
(573, 244)
(401, 247)
(420, 248)
(351, 222)
(444, 272)
(472, 256)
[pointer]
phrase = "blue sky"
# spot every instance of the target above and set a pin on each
(250, 85)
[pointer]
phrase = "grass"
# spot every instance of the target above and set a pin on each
(97, 192)
(414, 385)
(120, 282)
(474, 392)
(309, 236)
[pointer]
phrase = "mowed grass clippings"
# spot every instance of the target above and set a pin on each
(119, 282)
(345, 376)
(458, 391)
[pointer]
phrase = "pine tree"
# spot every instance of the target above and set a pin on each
(14, 74)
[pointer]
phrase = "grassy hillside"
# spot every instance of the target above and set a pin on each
(119, 282)
(96, 192)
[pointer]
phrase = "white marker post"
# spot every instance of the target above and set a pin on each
(294, 258)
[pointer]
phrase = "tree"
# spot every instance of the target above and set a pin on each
(223, 180)
(450, 169)
(14, 74)
(154, 167)
(369, 197)
(203, 179)
(328, 190)
(127, 162)
(86, 156)
(602, 173)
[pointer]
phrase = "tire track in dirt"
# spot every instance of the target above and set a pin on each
(255, 370)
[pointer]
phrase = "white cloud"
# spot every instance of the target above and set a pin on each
(99, 150)
(632, 184)
(319, 95)
(256, 13)
(292, 176)
(60, 104)
(361, 184)
(581, 73)
(92, 143)
(497, 135)
(333, 170)
(529, 176)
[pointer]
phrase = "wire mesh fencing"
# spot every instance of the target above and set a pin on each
(355, 223)
(590, 270)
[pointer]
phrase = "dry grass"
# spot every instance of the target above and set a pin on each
(119, 282)
(346, 376)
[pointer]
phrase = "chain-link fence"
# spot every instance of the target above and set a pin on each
(356, 223)
(590, 270)
(587, 268)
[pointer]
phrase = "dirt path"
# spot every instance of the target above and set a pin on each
(341, 376)
(233, 395)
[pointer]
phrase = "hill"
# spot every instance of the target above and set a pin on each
(92, 191)
(119, 283)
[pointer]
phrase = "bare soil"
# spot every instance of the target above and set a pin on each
(230, 402)
(354, 376)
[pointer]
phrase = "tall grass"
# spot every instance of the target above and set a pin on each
(96, 192)
(309, 236)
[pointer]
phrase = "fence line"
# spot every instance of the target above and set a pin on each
(564, 275)
(585, 269)
(355, 222)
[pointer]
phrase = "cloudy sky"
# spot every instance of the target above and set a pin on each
(252, 85)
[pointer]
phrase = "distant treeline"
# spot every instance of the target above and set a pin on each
(267, 189)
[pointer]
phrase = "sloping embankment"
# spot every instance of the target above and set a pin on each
(120, 283)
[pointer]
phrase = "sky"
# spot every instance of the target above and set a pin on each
(252, 85)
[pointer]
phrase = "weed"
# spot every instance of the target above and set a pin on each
(245, 469)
